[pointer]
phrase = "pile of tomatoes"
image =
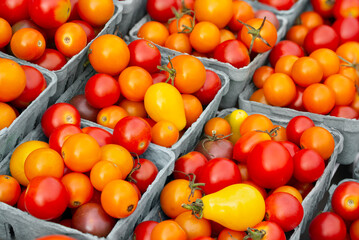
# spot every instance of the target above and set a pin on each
(195, 27)
(49, 32)
(19, 86)
(81, 178)
(342, 222)
(250, 185)
(315, 69)
(129, 82)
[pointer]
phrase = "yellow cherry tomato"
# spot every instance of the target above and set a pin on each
(235, 119)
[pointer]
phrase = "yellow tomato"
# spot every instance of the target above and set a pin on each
(164, 102)
(235, 119)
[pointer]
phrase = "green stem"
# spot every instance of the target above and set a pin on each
(196, 208)
(254, 234)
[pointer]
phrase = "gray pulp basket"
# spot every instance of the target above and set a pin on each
(348, 127)
(191, 135)
(77, 64)
(133, 11)
(290, 15)
(355, 167)
(30, 117)
(311, 202)
(16, 224)
(239, 77)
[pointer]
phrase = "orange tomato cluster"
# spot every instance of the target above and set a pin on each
(191, 179)
(129, 83)
(211, 28)
(48, 33)
(87, 163)
(19, 86)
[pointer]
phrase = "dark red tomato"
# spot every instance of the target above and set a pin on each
(272, 231)
(216, 228)
(60, 134)
(291, 147)
(46, 197)
(51, 59)
(217, 174)
(233, 52)
(102, 90)
(144, 174)
(346, 8)
(322, 36)
(159, 77)
(296, 126)
(323, 7)
(85, 109)
(14, 10)
(219, 148)
(279, 4)
(21, 202)
(161, 10)
(143, 230)
(347, 29)
(35, 84)
(27, 23)
(57, 115)
(284, 48)
(100, 135)
(345, 200)
(209, 89)
(191, 162)
(344, 112)
(284, 209)
(270, 164)
(297, 103)
(90, 32)
(74, 15)
(303, 188)
(308, 165)
(151, 122)
(133, 133)
(327, 226)
(49, 13)
(144, 54)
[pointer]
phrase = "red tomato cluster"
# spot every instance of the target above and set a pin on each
(19, 86)
(48, 32)
(266, 158)
(197, 29)
(129, 83)
(82, 178)
(343, 221)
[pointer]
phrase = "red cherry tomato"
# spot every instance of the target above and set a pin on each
(233, 52)
(346, 8)
(284, 48)
(345, 200)
(133, 133)
(323, 7)
(46, 197)
(291, 147)
(102, 136)
(217, 174)
(159, 77)
(161, 10)
(60, 134)
(143, 230)
(51, 59)
(297, 103)
(327, 226)
(191, 162)
(296, 126)
(210, 88)
(279, 4)
(89, 30)
(144, 175)
(57, 115)
(308, 165)
(347, 29)
(144, 54)
(322, 36)
(14, 10)
(344, 112)
(272, 231)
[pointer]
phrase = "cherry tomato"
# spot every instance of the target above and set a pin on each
(345, 200)
(284, 48)
(79, 188)
(308, 165)
(86, 111)
(279, 89)
(217, 174)
(279, 4)
(70, 39)
(270, 16)
(354, 230)
(346, 8)
(322, 36)
(328, 226)
(41, 204)
(60, 134)
(261, 74)
(270, 164)
(233, 52)
(48, 13)
(306, 71)
(297, 103)
(344, 112)
(205, 37)
(228, 234)
(311, 19)
(153, 31)
(143, 230)
(168, 229)
(14, 10)
(323, 7)
(191, 162)
(102, 136)
(242, 11)
(51, 59)
(209, 89)
(161, 10)
(328, 60)
(347, 29)
(144, 175)
(9, 190)
(284, 209)
(133, 133)
(57, 115)
(96, 12)
(290, 146)
(318, 98)
(296, 126)
(297, 34)
(344, 88)
(90, 32)
(210, 10)
(195, 228)
(144, 54)
(269, 231)
(102, 90)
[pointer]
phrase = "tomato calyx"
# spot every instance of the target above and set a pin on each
(171, 71)
(256, 33)
(192, 185)
(353, 64)
(137, 165)
(254, 234)
(196, 207)
(272, 133)
(213, 138)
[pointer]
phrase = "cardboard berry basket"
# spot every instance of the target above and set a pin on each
(191, 135)
(133, 11)
(348, 127)
(77, 64)
(30, 117)
(311, 201)
(16, 224)
(290, 15)
(239, 77)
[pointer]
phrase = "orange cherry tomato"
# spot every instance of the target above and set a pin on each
(119, 199)
(226, 35)
(256, 122)
(318, 98)
(280, 134)
(217, 125)
(241, 11)
(104, 172)
(193, 226)
(279, 89)
(133, 108)
(192, 107)
(70, 39)
(28, 44)
(291, 190)
(95, 12)
(311, 19)
(154, 31)
(119, 156)
(181, 25)
(179, 42)
(344, 88)
(12, 80)
(5, 33)
(168, 230)
(228, 234)
(205, 37)
(9, 190)
(261, 74)
(7, 115)
(328, 60)
(109, 116)
(258, 96)
(164, 133)
(306, 71)
(297, 34)
(79, 188)
(217, 12)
